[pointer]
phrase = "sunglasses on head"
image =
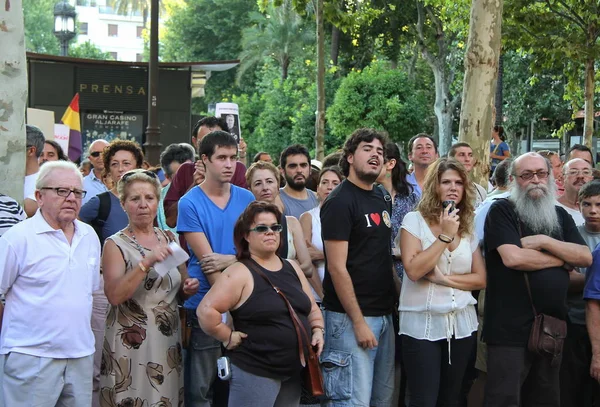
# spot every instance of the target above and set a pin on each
(133, 172)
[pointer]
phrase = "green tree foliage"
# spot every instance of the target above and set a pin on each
(381, 98)
(279, 34)
(208, 30)
(88, 50)
(39, 26)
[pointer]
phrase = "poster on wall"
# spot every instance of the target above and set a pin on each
(110, 125)
(230, 112)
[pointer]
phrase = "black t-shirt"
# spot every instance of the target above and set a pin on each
(361, 218)
(508, 314)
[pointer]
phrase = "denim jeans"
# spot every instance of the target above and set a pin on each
(200, 365)
(250, 390)
(354, 376)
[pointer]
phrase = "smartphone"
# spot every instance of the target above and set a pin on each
(452, 205)
(224, 368)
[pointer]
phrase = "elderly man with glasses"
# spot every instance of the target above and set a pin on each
(531, 246)
(49, 267)
(576, 173)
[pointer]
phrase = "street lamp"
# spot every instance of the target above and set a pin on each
(64, 25)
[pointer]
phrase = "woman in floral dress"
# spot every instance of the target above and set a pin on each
(142, 357)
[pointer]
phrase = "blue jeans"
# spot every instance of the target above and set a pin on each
(354, 376)
(199, 365)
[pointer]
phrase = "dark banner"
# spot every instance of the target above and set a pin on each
(109, 125)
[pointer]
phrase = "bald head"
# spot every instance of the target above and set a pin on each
(531, 159)
(95, 155)
(577, 172)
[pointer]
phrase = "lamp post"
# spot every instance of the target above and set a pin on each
(64, 25)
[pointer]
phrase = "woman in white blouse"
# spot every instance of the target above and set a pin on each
(438, 322)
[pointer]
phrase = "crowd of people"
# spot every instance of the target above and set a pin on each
(206, 283)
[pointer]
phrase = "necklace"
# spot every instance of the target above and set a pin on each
(138, 246)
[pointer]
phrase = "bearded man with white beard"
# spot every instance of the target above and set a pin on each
(526, 235)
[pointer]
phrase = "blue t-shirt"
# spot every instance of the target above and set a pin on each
(591, 290)
(117, 218)
(197, 213)
(502, 147)
(412, 180)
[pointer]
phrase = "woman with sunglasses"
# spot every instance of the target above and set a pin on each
(142, 356)
(263, 349)
(106, 215)
(263, 180)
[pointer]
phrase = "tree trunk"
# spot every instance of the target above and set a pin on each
(588, 121)
(335, 45)
(285, 64)
(443, 107)
(498, 100)
(13, 99)
(320, 119)
(479, 86)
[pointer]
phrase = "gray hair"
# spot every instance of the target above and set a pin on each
(35, 138)
(48, 169)
(139, 175)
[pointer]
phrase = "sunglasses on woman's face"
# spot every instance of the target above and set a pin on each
(276, 228)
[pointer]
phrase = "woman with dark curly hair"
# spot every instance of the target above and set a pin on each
(438, 322)
(141, 358)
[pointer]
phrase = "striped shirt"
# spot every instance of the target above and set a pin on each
(11, 213)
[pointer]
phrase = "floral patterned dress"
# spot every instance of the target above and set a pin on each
(142, 357)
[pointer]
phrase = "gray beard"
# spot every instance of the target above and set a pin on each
(539, 214)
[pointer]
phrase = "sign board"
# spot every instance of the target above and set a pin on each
(110, 125)
(61, 136)
(230, 112)
(44, 119)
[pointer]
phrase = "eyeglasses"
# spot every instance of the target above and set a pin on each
(527, 175)
(276, 228)
(95, 154)
(576, 173)
(65, 192)
(133, 172)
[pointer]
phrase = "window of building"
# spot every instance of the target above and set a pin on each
(113, 30)
(114, 55)
(140, 29)
(83, 28)
(138, 57)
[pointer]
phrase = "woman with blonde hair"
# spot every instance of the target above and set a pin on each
(438, 322)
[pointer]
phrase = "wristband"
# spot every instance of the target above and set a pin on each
(144, 268)
(445, 238)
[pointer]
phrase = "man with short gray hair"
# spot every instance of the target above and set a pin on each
(576, 173)
(49, 267)
(35, 148)
(93, 183)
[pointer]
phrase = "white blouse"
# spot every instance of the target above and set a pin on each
(431, 311)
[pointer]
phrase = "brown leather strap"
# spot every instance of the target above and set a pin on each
(529, 292)
(300, 330)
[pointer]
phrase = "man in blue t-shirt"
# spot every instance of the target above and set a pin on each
(206, 217)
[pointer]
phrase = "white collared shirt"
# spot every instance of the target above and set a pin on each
(48, 285)
(93, 185)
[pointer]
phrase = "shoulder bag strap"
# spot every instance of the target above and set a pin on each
(300, 331)
(525, 275)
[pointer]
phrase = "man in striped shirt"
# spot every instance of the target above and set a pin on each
(11, 213)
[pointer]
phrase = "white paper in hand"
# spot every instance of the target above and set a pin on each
(178, 257)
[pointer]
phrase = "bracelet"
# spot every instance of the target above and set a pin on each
(144, 268)
(318, 327)
(229, 341)
(445, 238)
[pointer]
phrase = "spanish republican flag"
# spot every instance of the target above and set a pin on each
(71, 118)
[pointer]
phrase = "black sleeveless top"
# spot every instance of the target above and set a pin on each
(271, 348)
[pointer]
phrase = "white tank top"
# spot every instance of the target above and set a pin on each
(317, 242)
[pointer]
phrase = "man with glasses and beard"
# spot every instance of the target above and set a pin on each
(295, 167)
(526, 237)
(358, 358)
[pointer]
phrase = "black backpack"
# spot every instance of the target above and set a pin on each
(103, 212)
